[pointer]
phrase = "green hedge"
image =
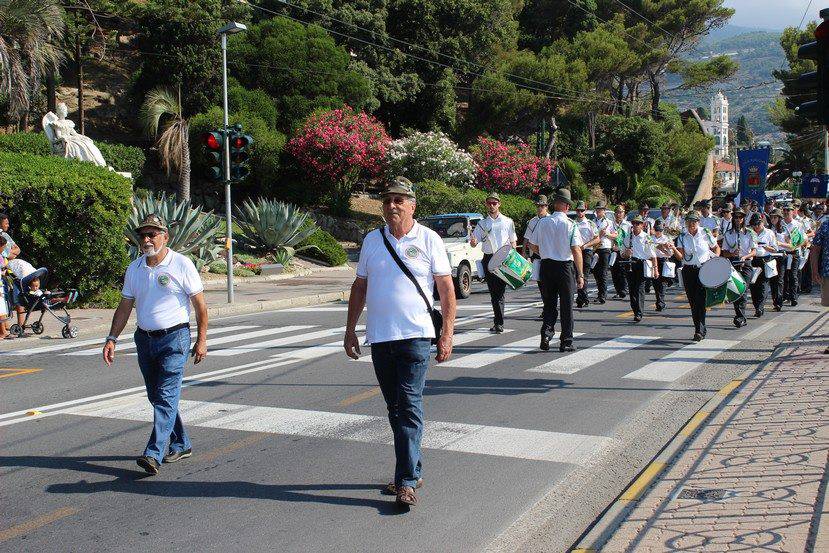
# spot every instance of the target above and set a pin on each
(129, 159)
(68, 216)
(434, 197)
(330, 251)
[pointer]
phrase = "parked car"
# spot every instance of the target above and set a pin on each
(654, 213)
(455, 230)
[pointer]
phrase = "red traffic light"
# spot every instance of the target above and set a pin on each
(213, 140)
(239, 142)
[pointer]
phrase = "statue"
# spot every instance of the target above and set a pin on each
(66, 141)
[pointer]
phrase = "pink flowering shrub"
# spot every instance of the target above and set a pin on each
(509, 167)
(338, 147)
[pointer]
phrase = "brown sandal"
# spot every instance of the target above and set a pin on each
(406, 496)
(391, 489)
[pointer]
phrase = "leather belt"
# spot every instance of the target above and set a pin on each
(163, 331)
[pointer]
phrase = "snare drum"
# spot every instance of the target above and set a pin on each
(715, 272)
(508, 265)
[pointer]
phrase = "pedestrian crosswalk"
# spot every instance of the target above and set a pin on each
(593, 355)
(678, 363)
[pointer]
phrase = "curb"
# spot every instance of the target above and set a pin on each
(609, 521)
(221, 283)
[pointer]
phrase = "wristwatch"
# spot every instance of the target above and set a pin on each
(111, 338)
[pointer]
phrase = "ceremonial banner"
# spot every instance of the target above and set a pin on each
(813, 186)
(754, 166)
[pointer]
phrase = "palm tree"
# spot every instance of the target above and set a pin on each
(173, 143)
(29, 30)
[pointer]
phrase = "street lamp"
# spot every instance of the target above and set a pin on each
(230, 29)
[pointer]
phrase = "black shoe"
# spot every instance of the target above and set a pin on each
(566, 346)
(637, 318)
(698, 337)
(176, 455)
(579, 304)
(601, 301)
(497, 329)
(739, 322)
(618, 296)
(149, 465)
(758, 313)
(660, 308)
(545, 343)
(794, 303)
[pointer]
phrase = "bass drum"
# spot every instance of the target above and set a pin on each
(715, 272)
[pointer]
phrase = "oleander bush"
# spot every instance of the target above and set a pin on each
(423, 156)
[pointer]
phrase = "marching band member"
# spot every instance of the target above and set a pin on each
(621, 226)
(558, 242)
(776, 226)
(725, 220)
(794, 239)
(696, 246)
(494, 232)
(766, 245)
(739, 246)
(590, 238)
(659, 281)
(706, 220)
(801, 215)
(639, 249)
(647, 221)
(541, 211)
(605, 228)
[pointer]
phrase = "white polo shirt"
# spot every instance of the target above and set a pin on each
(493, 234)
(740, 243)
(641, 245)
(162, 293)
(697, 247)
(608, 226)
(766, 237)
(587, 230)
(554, 237)
(394, 308)
(531, 226)
(711, 222)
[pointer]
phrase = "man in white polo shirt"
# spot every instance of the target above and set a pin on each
(399, 265)
(161, 284)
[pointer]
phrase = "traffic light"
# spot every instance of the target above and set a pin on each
(214, 142)
(240, 144)
(809, 93)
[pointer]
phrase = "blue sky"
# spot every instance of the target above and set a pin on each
(772, 14)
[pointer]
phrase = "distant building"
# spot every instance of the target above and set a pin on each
(719, 125)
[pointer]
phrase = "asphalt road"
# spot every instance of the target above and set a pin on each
(291, 444)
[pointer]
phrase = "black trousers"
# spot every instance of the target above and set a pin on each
(791, 278)
(581, 293)
(758, 289)
(600, 272)
(619, 276)
(636, 280)
(695, 292)
(558, 285)
(740, 303)
(806, 278)
(659, 284)
(497, 287)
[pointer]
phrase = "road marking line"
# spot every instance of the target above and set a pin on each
(130, 343)
(593, 355)
(248, 441)
(498, 353)
(68, 344)
(17, 372)
(248, 336)
(677, 363)
(698, 418)
(516, 443)
(35, 523)
(278, 342)
(635, 490)
(760, 330)
(625, 315)
(463, 337)
(361, 396)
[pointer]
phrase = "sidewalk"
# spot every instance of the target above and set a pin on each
(250, 296)
(752, 477)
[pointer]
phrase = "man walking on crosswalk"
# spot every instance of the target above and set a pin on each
(399, 265)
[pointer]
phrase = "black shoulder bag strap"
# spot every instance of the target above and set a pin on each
(437, 316)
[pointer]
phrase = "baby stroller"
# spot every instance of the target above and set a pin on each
(49, 302)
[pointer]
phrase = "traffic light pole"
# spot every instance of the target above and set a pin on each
(825, 151)
(226, 170)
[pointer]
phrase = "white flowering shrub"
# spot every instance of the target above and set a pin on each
(431, 156)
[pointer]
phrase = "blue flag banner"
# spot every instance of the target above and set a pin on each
(813, 186)
(754, 166)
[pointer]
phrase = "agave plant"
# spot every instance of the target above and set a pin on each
(274, 228)
(193, 232)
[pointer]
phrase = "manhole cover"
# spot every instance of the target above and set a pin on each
(709, 494)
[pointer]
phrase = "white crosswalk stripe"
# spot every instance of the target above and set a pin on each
(682, 361)
(539, 445)
(593, 355)
(497, 354)
(211, 344)
(460, 338)
(278, 342)
(130, 343)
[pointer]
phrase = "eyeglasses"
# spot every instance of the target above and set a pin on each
(396, 200)
(150, 235)
(494, 202)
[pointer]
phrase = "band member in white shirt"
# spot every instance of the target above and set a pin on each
(792, 227)
(590, 238)
(659, 281)
(558, 242)
(606, 228)
(707, 220)
(617, 273)
(541, 211)
(739, 246)
(695, 247)
(726, 215)
(766, 245)
(647, 221)
(638, 248)
(494, 232)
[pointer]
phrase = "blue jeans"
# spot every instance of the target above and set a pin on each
(162, 361)
(400, 366)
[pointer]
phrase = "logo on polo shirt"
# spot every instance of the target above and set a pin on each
(164, 279)
(412, 252)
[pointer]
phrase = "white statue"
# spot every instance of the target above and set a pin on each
(66, 141)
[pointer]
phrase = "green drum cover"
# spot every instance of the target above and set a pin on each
(715, 296)
(515, 270)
